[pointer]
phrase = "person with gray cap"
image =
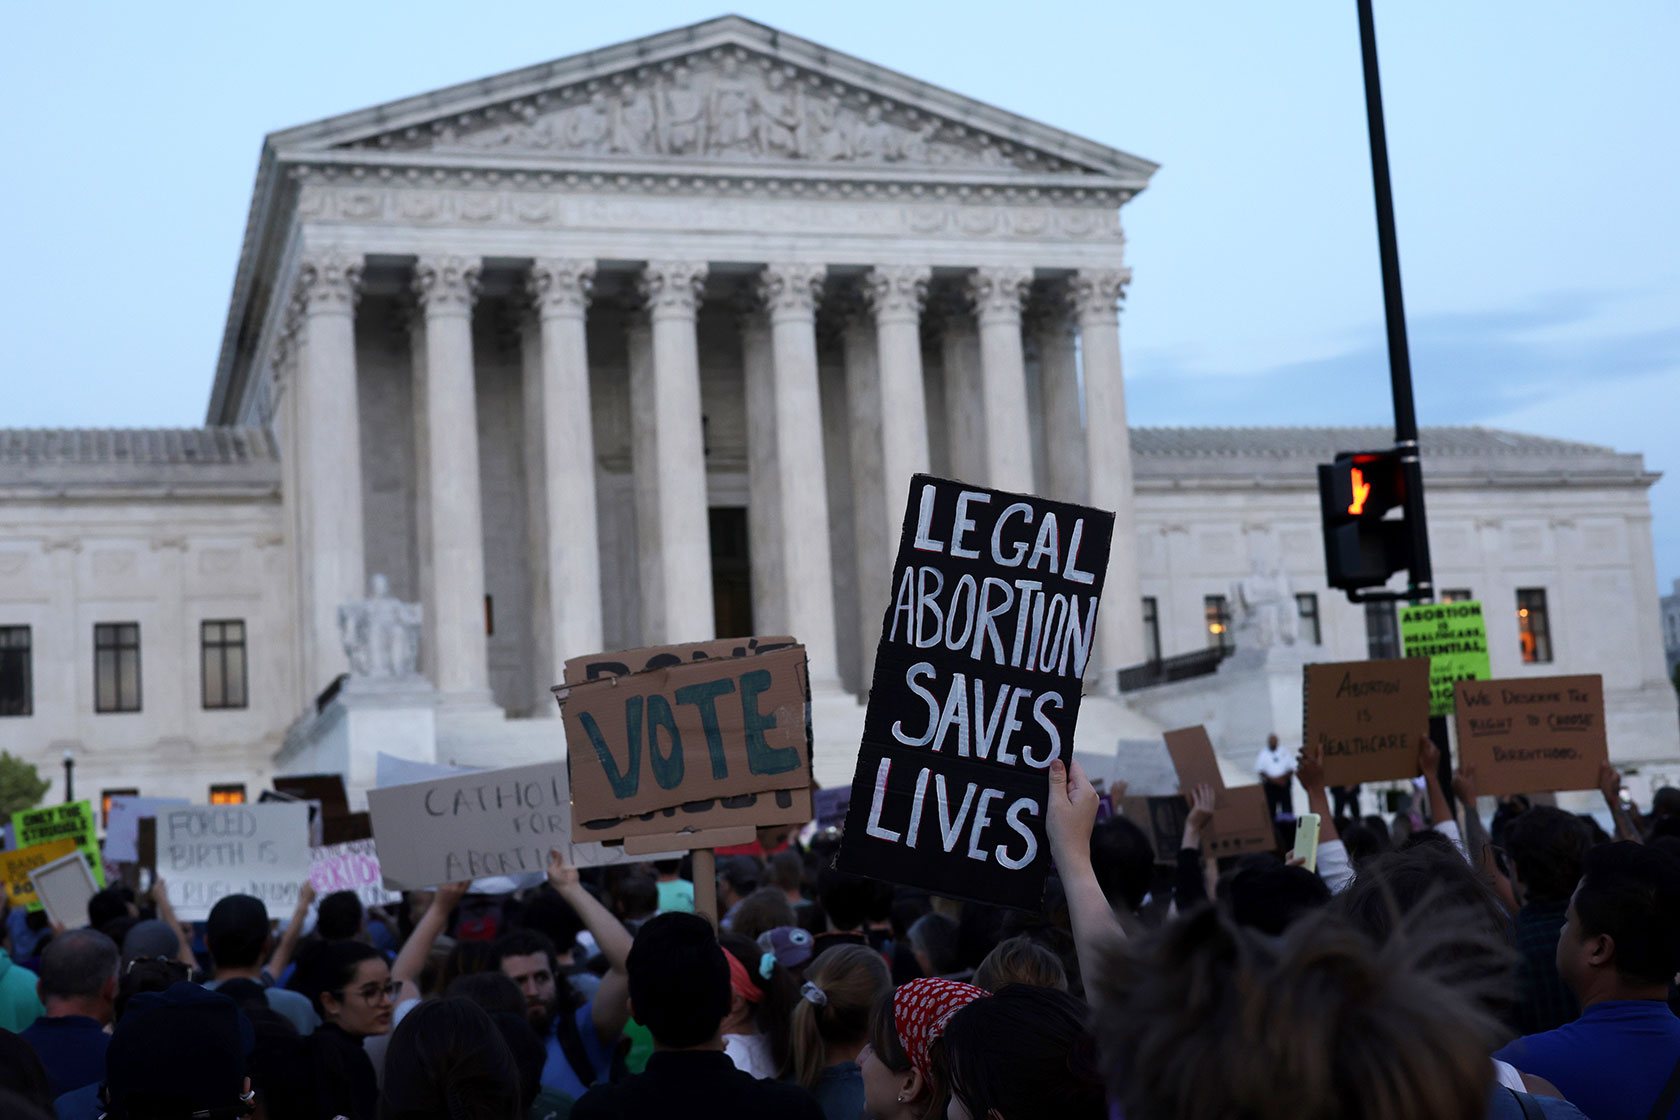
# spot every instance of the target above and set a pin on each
(179, 1053)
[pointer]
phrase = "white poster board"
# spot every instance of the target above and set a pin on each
(352, 866)
(479, 825)
(122, 824)
(207, 852)
(64, 887)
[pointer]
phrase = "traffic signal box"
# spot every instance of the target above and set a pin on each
(1362, 547)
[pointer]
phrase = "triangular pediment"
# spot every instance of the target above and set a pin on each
(725, 92)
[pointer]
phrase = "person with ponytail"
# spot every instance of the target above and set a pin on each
(903, 1065)
(761, 1000)
(831, 1026)
(1024, 1052)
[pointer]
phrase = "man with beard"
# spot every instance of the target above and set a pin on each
(579, 1034)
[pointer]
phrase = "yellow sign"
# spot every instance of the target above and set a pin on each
(16, 866)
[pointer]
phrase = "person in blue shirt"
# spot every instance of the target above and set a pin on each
(78, 987)
(1619, 950)
(579, 1034)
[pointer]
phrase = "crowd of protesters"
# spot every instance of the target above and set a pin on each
(1430, 966)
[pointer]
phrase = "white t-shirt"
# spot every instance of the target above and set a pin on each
(1274, 763)
(750, 1053)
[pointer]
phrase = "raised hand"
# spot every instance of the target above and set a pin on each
(1201, 807)
(1309, 768)
(1072, 812)
(561, 875)
(1464, 784)
(449, 895)
(1429, 757)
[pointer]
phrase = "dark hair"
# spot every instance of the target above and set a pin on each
(147, 974)
(328, 967)
(22, 1073)
(108, 904)
(679, 980)
(1631, 893)
(78, 962)
(1025, 1052)
(553, 917)
(851, 980)
(1123, 860)
(529, 1054)
(1021, 960)
(448, 1059)
(740, 872)
(237, 932)
(935, 936)
(636, 896)
(845, 898)
(787, 870)
(889, 1050)
(761, 911)
(667, 866)
(773, 1013)
(1547, 845)
(1270, 897)
(493, 991)
(339, 917)
(466, 959)
(1364, 842)
(524, 943)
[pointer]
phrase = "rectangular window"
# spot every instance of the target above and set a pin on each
(105, 796)
(231, 793)
(221, 646)
(1382, 630)
(1217, 611)
(17, 690)
(1307, 607)
(116, 667)
(1534, 628)
(1456, 595)
(1151, 629)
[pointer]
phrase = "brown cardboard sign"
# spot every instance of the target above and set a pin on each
(708, 729)
(1532, 734)
(145, 842)
(1242, 822)
(647, 658)
(759, 810)
(1161, 819)
(1194, 760)
(346, 828)
(328, 789)
(1368, 717)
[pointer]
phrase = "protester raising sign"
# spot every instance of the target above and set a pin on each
(350, 866)
(1533, 734)
(1367, 716)
(73, 819)
(976, 690)
(15, 867)
(1453, 636)
(206, 852)
(687, 738)
(1241, 821)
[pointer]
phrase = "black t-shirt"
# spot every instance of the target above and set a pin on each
(696, 1085)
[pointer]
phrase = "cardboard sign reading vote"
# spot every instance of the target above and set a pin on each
(976, 692)
(686, 734)
(73, 819)
(1241, 820)
(478, 825)
(1368, 716)
(1533, 734)
(206, 852)
(15, 867)
(1453, 636)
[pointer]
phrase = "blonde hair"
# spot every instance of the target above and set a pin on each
(843, 986)
(1021, 960)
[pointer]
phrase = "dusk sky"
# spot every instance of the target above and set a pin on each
(1535, 145)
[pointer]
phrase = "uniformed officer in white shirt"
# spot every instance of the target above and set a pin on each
(1276, 768)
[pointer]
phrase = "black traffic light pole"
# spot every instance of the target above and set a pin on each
(1420, 574)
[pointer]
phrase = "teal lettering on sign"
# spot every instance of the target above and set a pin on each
(704, 696)
(762, 758)
(667, 768)
(623, 783)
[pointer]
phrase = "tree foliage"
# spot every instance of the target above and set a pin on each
(21, 785)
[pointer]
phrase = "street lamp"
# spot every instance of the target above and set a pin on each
(69, 787)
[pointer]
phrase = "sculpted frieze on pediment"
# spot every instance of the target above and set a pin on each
(727, 106)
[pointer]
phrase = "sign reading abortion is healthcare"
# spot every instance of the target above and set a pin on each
(976, 690)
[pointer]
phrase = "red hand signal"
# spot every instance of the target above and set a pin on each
(1361, 491)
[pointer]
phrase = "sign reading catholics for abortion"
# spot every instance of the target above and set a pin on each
(206, 852)
(976, 691)
(699, 736)
(1533, 734)
(1367, 716)
(1454, 638)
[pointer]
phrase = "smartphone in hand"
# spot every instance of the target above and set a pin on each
(1306, 840)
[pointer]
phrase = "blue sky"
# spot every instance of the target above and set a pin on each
(1536, 148)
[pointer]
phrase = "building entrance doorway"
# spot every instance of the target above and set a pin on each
(731, 572)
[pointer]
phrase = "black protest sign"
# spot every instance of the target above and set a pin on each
(976, 691)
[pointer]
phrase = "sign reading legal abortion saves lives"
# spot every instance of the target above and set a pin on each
(206, 852)
(976, 691)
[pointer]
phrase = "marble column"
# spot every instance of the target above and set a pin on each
(329, 466)
(790, 293)
(673, 534)
(764, 494)
(1095, 295)
(889, 430)
(959, 376)
(565, 536)
(452, 588)
(1064, 425)
(998, 294)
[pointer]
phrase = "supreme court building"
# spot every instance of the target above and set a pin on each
(643, 345)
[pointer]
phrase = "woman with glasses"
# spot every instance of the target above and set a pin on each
(351, 986)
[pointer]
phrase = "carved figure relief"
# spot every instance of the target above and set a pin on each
(727, 105)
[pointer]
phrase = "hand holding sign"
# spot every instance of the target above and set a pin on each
(1071, 812)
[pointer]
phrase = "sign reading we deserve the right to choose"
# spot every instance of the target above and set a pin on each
(1367, 716)
(976, 691)
(1533, 734)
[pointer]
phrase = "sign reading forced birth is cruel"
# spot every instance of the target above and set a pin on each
(724, 736)
(976, 690)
